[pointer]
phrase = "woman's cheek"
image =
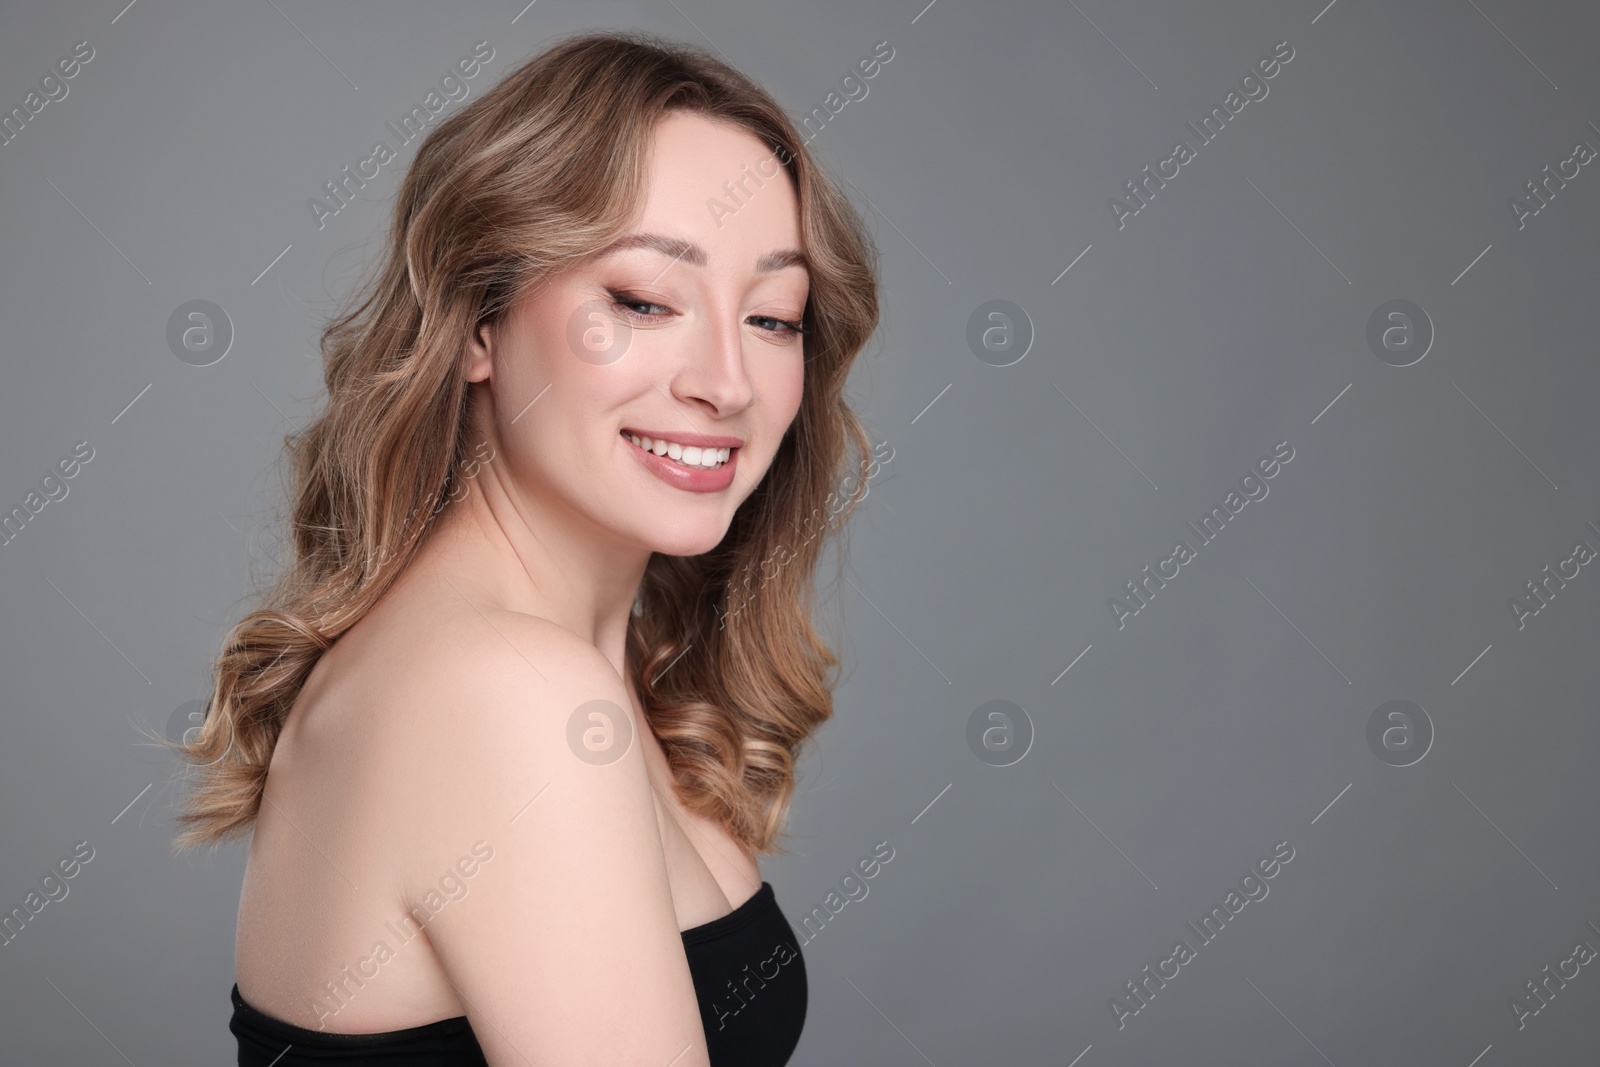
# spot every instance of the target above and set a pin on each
(794, 387)
(789, 409)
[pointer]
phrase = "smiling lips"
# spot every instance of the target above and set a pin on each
(695, 462)
(693, 456)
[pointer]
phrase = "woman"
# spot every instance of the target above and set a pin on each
(525, 705)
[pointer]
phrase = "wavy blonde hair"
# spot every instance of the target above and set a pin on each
(545, 168)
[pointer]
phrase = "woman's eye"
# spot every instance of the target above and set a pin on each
(779, 326)
(632, 306)
(645, 310)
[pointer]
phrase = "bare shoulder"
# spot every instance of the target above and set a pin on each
(525, 840)
(504, 663)
(490, 709)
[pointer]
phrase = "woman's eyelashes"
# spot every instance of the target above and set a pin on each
(627, 302)
(784, 327)
(630, 303)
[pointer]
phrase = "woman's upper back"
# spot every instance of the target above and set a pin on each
(431, 779)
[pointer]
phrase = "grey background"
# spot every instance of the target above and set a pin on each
(1228, 315)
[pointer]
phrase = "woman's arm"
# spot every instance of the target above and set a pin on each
(564, 947)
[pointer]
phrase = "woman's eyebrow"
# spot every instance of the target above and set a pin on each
(694, 255)
(780, 258)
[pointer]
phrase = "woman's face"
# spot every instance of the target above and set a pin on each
(681, 332)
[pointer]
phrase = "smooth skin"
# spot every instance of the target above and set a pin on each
(436, 721)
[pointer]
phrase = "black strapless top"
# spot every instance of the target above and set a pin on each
(749, 978)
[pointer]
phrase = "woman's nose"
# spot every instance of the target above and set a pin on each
(713, 371)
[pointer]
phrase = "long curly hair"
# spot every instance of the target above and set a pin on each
(547, 167)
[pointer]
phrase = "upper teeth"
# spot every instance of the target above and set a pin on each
(688, 455)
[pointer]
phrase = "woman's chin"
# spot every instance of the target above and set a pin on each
(687, 542)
